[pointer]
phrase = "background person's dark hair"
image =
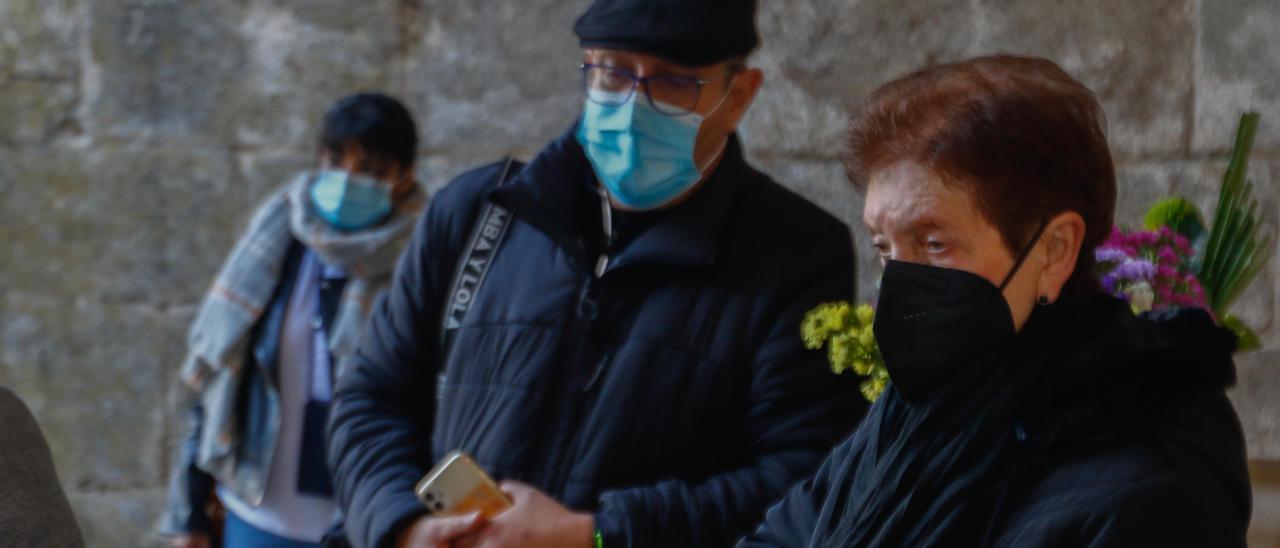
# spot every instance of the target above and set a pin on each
(379, 124)
(1018, 134)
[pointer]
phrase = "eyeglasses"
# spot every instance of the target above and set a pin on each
(670, 95)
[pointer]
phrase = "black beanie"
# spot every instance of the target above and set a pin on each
(688, 32)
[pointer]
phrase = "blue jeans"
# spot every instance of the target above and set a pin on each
(239, 534)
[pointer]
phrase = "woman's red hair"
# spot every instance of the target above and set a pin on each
(1021, 136)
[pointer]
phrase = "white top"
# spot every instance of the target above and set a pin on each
(284, 511)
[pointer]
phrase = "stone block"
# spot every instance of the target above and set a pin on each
(435, 171)
(251, 72)
(267, 172)
(118, 223)
(484, 83)
(164, 70)
(1139, 186)
(94, 375)
(39, 71)
(36, 110)
(1255, 402)
(1136, 56)
(304, 55)
(119, 519)
(823, 58)
(39, 37)
(178, 399)
(1236, 70)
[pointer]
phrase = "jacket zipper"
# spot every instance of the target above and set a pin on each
(557, 472)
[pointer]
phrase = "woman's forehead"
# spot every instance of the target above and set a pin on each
(907, 196)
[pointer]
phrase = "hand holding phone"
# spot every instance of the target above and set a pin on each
(457, 485)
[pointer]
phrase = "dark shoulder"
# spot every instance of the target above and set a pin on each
(19, 424)
(467, 189)
(780, 233)
(453, 209)
(771, 208)
(1183, 468)
(1080, 498)
(33, 509)
(22, 446)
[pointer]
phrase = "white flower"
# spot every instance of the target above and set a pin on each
(1141, 296)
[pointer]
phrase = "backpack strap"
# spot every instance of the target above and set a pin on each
(473, 264)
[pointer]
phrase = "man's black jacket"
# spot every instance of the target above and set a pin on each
(671, 396)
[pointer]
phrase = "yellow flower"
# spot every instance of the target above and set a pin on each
(848, 333)
(867, 340)
(865, 314)
(862, 367)
(872, 388)
(822, 322)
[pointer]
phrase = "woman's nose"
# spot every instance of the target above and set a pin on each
(903, 254)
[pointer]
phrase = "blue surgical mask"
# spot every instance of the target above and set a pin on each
(644, 158)
(349, 201)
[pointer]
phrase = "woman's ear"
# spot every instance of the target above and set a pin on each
(1063, 237)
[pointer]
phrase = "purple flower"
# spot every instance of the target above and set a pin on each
(1110, 255)
(1136, 270)
(1115, 239)
(1109, 283)
(1182, 243)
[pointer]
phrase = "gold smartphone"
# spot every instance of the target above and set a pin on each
(457, 485)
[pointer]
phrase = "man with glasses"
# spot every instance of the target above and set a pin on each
(612, 329)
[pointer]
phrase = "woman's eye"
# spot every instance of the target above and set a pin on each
(935, 246)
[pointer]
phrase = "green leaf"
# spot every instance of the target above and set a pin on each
(1239, 242)
(1177, 213)
(1246, 339)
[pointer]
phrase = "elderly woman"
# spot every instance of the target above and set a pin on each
(1027, 408)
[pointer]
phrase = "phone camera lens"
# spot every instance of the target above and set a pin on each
(431, 497)
(438, 506)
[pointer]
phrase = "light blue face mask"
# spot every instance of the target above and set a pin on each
(350, 201)
(644, 158)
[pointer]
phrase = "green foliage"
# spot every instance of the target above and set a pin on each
(851, 343)
(1246, 339)
(1178, 214)
(1239, 244)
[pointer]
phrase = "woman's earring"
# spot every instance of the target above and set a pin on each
(1043, 300)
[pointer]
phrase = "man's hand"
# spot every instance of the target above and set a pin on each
(431, 532)
(533, 521)
(191, 541)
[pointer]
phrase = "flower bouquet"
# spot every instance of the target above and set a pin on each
(851, 343)
(1178, 261)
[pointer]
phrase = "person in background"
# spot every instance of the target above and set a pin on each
(621, 341)
(1027, 407)
(33, 509)
(282, 317)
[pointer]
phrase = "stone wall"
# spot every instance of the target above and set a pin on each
(135, 135)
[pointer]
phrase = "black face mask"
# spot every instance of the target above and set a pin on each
(932, 322)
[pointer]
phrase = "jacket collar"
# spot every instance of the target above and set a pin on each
(545, 192)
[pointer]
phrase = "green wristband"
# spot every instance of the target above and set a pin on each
(599, 539)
